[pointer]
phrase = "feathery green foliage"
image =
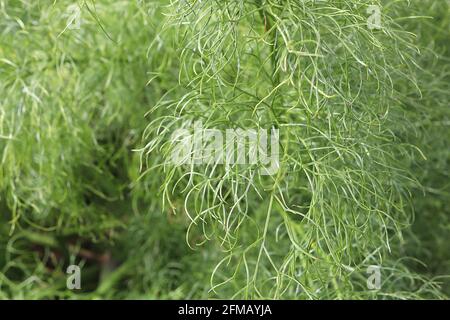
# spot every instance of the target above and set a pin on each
(86, 123)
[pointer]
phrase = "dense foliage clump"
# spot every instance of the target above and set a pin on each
(87, 117)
